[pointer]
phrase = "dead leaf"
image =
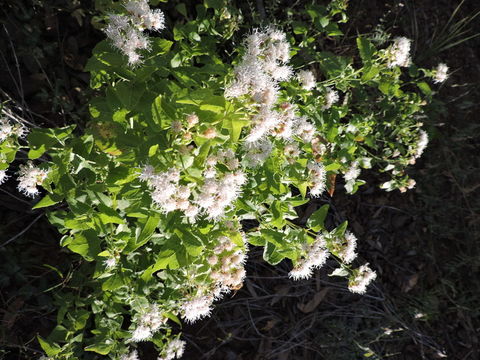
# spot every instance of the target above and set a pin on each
(331, 183)
(410, 283)
(313, 303)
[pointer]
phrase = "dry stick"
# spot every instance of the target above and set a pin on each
(23, 231)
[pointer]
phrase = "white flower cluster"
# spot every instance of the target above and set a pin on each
(126, 31)
(130, 356)
(227, 264)
(175, 349)
(262, 67)
(7, 130)
(257, 152)
(291, 152)
(421, 144)
(441, 73)
(167, 193)
(331, 97)
(363, 276)
(3, 176)
(258, 75)
(307, 79)
(29, 176)
(315, 256)
(353, 172)
(197, 308)
(216, 195)
(227, 272)
(399, 52)
(345, 247)
(148, 323)
(318, 178)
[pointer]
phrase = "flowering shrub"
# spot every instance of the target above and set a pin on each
(185, 143)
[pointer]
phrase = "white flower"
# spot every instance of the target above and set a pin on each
(141, 333)
(257, 152)
(197, 308)
(347, 252)
(148, 173)
(307, 79)
(304, 129)
(399, 52)
(353, 172)
(318, 178)
(363, 276)
(441, 73)
(421, 144)
(6, 130)
(331, 97)
(315, 257)
(3, 176)
(125, 31)
(174, 349)
(111, 262)
(130, 356)
(29, 177)
(301, 271)
(148, 323)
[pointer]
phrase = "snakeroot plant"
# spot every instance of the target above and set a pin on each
(186, 142)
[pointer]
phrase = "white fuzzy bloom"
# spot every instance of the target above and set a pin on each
(141, 333)
(174, 349)
(6, 130)
(148, 323)
(264, 122)
(130, 356)
(292, 150)
(197, 308)
(3, 176)
(353, 172)
(363, 276)
(110, 263)
(331, 97)
(347, 251)
(304, 129)
(399, 52)
(307, 79)
(301, 271)
(441, 73)
(29, 177)
(148, 173)
(315, 257)
(257, 152)
(126, 31)
(421, 144)
(318, 178)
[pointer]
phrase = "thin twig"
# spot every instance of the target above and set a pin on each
(22, 232)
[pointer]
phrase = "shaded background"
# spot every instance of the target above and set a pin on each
(423, 244)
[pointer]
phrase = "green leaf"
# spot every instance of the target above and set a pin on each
(271, 255)
(113, 282)
(48, 200)
(316, 221)
(51, 349)
(425, 88)
(340, 230)
(101, 347)
(145, 234)
(85, 243)
(109, 216)
(366, 50)
(40, 140)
